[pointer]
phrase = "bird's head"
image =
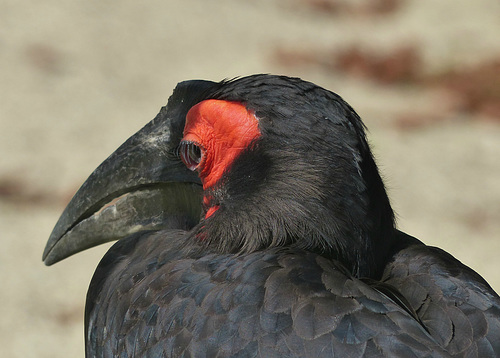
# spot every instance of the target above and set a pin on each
(257, 162)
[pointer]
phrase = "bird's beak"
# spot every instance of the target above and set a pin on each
(141, 186)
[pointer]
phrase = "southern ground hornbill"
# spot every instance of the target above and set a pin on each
(252, 222)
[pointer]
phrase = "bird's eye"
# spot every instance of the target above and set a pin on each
(191, 154)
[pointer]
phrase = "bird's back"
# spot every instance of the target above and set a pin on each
(456, 305)
(153, 296)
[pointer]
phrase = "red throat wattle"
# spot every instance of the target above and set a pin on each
(222, 130)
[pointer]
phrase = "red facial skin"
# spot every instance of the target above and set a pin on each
(222, 130)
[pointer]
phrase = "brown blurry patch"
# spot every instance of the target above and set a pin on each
(69, 315)
(13, 189)
(45, 58)
(401, 65)
(360, 7)
(480, 219)
(475, 89)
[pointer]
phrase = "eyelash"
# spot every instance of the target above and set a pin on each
(190, 153)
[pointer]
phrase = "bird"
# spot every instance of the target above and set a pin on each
(252, 221)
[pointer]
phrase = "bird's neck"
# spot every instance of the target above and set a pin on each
(263, 207)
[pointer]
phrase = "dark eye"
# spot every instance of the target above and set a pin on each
(191, 154)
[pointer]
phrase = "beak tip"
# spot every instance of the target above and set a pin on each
(48, 257)
(51, 254)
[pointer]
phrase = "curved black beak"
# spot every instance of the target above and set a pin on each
(141, 186)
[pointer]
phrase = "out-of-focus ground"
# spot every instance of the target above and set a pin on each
(79, 77)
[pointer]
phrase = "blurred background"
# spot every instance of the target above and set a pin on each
(79, 77)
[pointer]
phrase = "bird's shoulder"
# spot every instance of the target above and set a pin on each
(153, 296)
(456, 305)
